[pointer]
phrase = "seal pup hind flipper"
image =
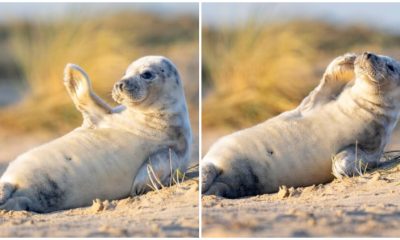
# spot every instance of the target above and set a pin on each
(79, 88)
(338, 74)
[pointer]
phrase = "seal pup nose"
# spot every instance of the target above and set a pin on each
(121, 85)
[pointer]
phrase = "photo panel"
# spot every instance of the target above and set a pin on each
(299, 112)
(99, 119)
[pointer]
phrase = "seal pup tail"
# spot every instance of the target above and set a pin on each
(6, 190)
(209, 172)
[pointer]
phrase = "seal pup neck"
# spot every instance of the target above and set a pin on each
(152, 122)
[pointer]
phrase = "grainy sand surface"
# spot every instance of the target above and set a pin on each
(170, 212)
(367, 206)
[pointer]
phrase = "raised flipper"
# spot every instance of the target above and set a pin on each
(352, 161)
(337, 75)
(159, 170)
(78, 85)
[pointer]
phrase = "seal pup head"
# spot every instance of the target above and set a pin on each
(379, 73)
(151, 81)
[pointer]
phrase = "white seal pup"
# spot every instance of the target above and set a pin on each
(107, 157)
(340, 129)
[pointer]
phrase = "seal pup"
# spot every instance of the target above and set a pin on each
(108, 156)
(341, 128)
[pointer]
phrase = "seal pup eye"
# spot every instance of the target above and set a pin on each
(391, 68)
(147, 75)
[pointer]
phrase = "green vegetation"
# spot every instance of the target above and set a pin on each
(259, 70)
(35, 53)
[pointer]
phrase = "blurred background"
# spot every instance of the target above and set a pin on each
(37, 40)
(262, 59)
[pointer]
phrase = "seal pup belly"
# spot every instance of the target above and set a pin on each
(75, 169)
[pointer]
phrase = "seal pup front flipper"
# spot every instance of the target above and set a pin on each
(158, 171)
(353, 161)
(79, 87)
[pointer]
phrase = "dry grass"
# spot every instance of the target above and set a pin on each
(176, 177)
(259, 70)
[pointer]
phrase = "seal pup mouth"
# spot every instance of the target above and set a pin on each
(368, 64)
(131, 90)
(377, 69)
